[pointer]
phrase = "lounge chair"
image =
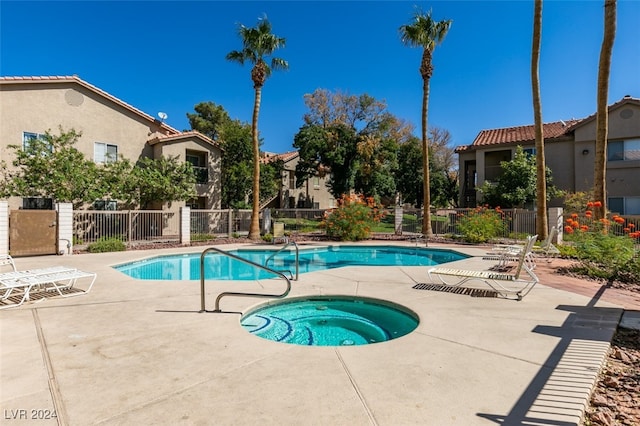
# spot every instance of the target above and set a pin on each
(523, 277)
(509, 252)
(20, 284)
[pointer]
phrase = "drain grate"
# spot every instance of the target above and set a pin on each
(473, 292)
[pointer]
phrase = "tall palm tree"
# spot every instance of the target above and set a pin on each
(257, 44)
(602, 112)
(541, 181)
(426, 33)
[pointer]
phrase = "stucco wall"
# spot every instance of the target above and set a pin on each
(40, 107)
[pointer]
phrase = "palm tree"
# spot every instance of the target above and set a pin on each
(257, 44)
(541, 181)
(424, 32)
(602, 112)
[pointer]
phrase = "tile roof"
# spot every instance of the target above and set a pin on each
(286, 156)
(91, 87)
(522, 133)
(157, 138)
(526, 134)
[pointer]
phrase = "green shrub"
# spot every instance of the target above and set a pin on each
(352, 220)
(482, 224)
(202, 237)
(602, 253)
(267, 237)
(104, 245)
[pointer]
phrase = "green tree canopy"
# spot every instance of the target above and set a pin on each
(52, 167)
(516, 186)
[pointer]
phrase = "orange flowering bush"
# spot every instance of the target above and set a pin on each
(352, 219)
(604, 247)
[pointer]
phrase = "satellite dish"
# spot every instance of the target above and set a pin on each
(163, 115)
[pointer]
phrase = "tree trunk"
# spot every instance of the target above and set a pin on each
(254, 230)
(602, 113)
(426, 219)
(541, 180)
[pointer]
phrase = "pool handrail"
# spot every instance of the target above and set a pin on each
(232, 293)
(266, 262)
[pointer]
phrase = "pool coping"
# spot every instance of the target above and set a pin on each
(135, 352)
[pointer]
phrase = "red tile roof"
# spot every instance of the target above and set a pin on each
(522, 133)
(525, 134)
(78, 80)
(183, 135)
(287, 156)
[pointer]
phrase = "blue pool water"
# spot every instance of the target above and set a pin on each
(330, 321)
(220, 267)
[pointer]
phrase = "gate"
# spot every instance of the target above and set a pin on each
(33, 232)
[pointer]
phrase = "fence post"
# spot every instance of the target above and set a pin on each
(556, 219)
(4, 227)
(397, 212)
(130, 220)
(266, 221)
(185, 225)
(230, 224)
(65, 227)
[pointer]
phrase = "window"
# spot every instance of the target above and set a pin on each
(29, 137)
(104, 153)
(109, 205)
(628, 150)
(198, 161)
(37, 203)
(316, 182)
(624, 205)
(198, 203)
(292, 179)
(531, 152)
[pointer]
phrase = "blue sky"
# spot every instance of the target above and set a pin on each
(170, 55)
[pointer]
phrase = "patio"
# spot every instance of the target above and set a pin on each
(138, 352)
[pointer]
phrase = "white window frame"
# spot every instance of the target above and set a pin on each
(27, 137)
(101, 153)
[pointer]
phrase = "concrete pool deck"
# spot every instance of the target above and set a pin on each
(139, 352)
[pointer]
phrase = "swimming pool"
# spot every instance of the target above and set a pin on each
(220, 267)
(330, 321)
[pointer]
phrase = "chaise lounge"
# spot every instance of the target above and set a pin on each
(21, 284)
(520, 282)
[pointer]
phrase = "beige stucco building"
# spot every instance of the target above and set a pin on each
(30, 106)
(569, 153)
(312, 194)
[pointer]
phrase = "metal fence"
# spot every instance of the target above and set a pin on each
(517, 222)
(129, 226)
(161, 226)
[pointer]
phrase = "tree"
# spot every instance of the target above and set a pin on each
(426, 33)
(51, 167)
(517, 184)
(602, 112)
(541, 184)
(333, 149)
(354, 138)
(161, 180)
(257, 44)
(209, 119)
(443, 178)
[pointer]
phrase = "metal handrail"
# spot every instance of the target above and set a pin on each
(266, 262)
(231, 293)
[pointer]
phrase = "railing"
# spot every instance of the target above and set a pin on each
(266, 262)
(232, 293)
(130, 226)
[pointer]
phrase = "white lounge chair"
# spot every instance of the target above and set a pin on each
(520, 282)
(504, 253)
(20, 284)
